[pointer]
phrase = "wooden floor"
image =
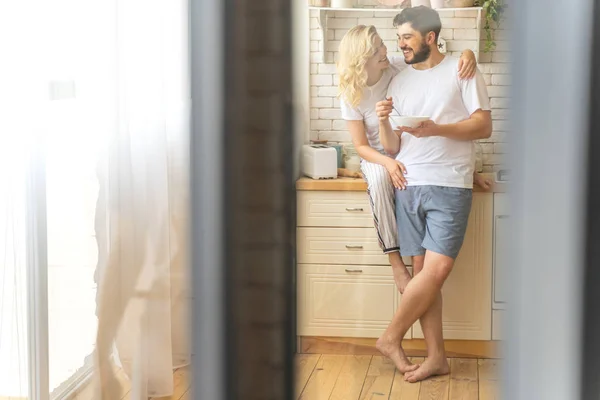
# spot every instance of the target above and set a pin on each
(181, 384)
(341, 377)
(358, 377)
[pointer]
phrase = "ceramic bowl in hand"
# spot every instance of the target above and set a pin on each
(411, 122)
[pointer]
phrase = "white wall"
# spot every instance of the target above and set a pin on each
(459, 31)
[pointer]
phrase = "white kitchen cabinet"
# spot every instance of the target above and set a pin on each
(498, 318)
(345, 301)
(323, 219)
(340, 246)
(467, 292)
(339, 209)
(501, 250)
(345, 284)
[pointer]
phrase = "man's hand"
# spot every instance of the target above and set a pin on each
(384, 108)
(467, 65)
(425, 129)
(396, 170)
(482, 182)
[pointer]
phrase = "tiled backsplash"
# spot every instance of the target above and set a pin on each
(459, 31)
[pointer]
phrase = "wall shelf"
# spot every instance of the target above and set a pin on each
(324, 11)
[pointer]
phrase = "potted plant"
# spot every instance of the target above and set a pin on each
(493, 10)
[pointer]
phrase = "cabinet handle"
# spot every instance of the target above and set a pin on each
(354, 209)
(353, 246)
(353, 270)
(502, 216)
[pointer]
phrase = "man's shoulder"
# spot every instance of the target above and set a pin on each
(451, 62)
(401, 76)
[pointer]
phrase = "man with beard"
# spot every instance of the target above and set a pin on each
(432, 212)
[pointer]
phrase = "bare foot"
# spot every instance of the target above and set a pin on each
(430, 367)
(393, 350)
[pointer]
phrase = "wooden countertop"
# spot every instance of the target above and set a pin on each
(359, 184)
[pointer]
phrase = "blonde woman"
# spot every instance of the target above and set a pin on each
(365, 72)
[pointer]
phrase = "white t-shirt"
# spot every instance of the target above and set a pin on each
(365, 111)
(439, 94)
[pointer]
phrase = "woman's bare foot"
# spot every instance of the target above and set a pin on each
(430, 367)
(393, 350)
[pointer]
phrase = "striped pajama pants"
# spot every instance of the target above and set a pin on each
(382, 198)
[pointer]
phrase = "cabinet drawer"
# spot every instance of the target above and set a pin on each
(345, 301)
(337, 209)
(340, 246)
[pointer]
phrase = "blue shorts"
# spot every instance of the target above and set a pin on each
(432, 218)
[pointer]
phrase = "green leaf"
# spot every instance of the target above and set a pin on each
(493, 14)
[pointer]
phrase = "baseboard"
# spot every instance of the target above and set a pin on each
(412, 347)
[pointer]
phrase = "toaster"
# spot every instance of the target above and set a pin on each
(319, 161)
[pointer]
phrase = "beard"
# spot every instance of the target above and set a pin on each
(418, 56)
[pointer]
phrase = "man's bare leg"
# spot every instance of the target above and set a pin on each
(401, 274)
(420, 293)
(401, 278)
(431, 324)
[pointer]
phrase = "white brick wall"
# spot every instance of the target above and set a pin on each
(459, 31)
(321, 80)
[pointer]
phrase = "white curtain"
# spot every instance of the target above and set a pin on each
(105, 79)
(142, 210)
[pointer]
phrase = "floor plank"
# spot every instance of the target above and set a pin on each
(305, 365)
(379, 379)
(187, 395)
(435, 388)
(346, 377)
(181, 384)
(351, 379)
(463, 379)
(403, 390)
(184, 384)
(489, 388)
(321, 382)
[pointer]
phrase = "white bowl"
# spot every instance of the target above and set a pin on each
(411, 122)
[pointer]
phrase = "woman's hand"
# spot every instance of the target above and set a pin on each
(467, 65)
(396, 170)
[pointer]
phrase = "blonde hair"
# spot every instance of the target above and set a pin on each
(356, 47)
